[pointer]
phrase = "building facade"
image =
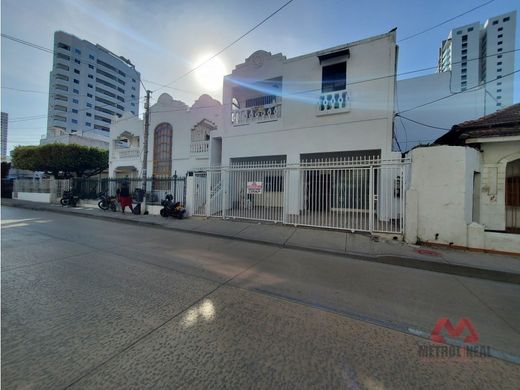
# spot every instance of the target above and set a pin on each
(5, 122)
(178, 139)
(88, 86)
(482, 54)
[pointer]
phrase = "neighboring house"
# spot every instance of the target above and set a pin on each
(59, 136)
(178, 139)
(466, 191)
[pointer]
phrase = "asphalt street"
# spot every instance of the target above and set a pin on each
(97, 304)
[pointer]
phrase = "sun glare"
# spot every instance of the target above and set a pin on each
(210, 75)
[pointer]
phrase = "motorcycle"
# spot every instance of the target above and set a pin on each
(69, 199)
(171, 209)
(107, 202)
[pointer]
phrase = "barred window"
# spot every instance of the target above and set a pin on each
(162, 150)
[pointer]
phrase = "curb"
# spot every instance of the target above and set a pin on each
(407, 262)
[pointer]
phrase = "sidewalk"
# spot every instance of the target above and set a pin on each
(504, 268)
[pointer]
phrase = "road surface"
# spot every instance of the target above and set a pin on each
(94, 304)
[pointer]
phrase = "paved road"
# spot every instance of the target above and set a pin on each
(91, 304)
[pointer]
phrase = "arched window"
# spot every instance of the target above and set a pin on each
(162, 150)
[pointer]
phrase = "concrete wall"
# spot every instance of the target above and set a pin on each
(442, 114)
(34, 196)
(440, 198)
(496, 155)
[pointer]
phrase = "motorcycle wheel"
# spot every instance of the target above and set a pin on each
(163, 213)
(65, 201)
(102, 205)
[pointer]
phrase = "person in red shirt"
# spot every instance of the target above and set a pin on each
(124, 196)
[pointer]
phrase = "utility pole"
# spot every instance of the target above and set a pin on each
(144, 169)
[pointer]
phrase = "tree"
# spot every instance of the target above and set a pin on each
(61, 160)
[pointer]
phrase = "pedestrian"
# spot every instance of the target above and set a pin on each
(124, 196)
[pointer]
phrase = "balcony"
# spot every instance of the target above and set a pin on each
(199, 148)
(257, 114)
(128, 153)
(333, 103)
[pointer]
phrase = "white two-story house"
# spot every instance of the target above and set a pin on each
(332, 105)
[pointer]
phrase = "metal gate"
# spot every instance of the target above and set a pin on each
(363, 194)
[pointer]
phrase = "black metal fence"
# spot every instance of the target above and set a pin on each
(156, 188)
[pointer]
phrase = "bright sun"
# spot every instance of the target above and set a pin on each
(210, 75)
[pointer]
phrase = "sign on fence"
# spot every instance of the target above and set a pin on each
(254, 187)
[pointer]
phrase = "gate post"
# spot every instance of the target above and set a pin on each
(371, 199)
(190, 191)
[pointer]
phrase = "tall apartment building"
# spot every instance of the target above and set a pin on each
(482, 55)
(88, 85)
(5, 119)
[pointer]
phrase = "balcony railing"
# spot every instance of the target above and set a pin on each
(258, 114)
(333, 102)
(199, 147)
(128, 153)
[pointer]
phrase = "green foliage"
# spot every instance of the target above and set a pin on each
(61, 159)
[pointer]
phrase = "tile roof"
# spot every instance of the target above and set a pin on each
(502, 123)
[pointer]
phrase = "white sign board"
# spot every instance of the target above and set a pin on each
(254, 187)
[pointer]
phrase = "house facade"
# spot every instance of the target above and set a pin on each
(178, 140)
(471, 197)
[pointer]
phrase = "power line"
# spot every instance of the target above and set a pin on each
(458, 93)
(446, 21)
(228, 46)
(420, 123)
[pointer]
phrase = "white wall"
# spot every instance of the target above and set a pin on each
(368, 124)
(496, 155)
(128, 123)
(439, 207)
(442, 114)
(34, 197)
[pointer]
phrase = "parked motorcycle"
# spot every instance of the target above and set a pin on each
(171, 209)
(107, 202)
(69, 199)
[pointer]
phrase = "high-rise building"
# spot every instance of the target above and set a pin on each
(482, 55)
(88, 85)
(5, 119)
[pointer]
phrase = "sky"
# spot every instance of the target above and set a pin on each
(165, 39)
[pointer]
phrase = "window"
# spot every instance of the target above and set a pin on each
(499, 83)
(470, 29)
(499, 104)
(133, 88)
(463, 70)
(77, 51)
(76, 101)
(120, 90)
(506, 19)
(495, 22)
(63, 56)
(90, 66)
(76, 81)
(88, 124)
(499, 77)
(499, 63)
(459, 32)
(464, 58)
(62, 66)
(99, 127)
(334, 77)
(499, 49)
(464, 45)
(464, 63)
(500, 28)
(91, 76)
(90, 86)
(162, 150)
(499, 70)
(464, 38)
(499, 56)
(74, 121)
(89, 95)
(75, 90)
(464, 52)
(63, 46)
(88, 114)
(76, 71)
(463, 77)
(77, 61)
(121, 73)
(132, 104)
(499, 97)
(500, 35)
(74, 110)
(499, 42)
(133, 96)
(89, 105)
(133, 80)
(133, 113)
(91, 56)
